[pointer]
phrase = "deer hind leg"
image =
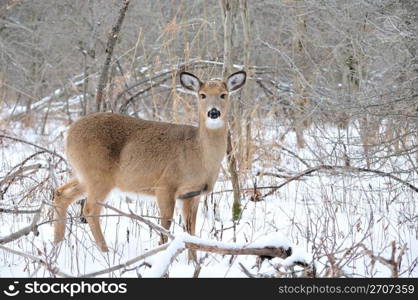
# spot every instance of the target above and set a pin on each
(63, 197)
(190, 207)
(91, 211)
(166, 202)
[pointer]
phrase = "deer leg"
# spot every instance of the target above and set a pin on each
(190, 207)
(63, 197)
(166, 203)
(91, 211)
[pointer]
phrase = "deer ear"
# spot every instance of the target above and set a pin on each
(236, 81)
(190, 81)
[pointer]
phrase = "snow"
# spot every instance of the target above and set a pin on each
(274, 239)
(143, 69)
(161, 261)
(332, 209)
(298, 255)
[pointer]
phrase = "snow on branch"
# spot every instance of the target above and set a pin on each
(271, 246)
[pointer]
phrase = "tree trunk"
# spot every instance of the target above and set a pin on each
(227, 12)
(248, 88)
(113, 36)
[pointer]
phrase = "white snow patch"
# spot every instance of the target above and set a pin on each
(161, 261)
(298, 255)
(274, 239)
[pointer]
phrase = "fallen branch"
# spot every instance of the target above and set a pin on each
(185, 241)
(235, 249)
(166, 258)
(195, 243)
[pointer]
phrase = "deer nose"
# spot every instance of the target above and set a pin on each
(214, 113)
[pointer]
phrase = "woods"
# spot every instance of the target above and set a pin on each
(322, 142)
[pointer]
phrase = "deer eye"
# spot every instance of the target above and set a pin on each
(223, 96)
(203, 96)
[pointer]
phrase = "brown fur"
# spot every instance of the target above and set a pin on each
(166, 160)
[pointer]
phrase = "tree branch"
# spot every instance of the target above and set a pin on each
(154, 226)
(344, 168)
(128, 262)
(113, 36)
(33, 227)
(185, 241)
(32, 144)
(54, 270)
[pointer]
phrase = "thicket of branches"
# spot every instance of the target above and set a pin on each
(309, 61)
(336, 62)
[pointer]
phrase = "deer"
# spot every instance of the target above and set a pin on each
(165, 160)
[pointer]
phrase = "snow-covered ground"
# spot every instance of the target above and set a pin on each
(342, 220)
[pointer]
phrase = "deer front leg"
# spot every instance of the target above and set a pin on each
(190, 207)
(63, 197)
(166, 203)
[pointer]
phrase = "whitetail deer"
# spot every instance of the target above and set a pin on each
(168, 161)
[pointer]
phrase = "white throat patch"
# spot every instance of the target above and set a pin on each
(214, 123)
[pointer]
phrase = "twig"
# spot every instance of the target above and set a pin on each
(33, 227)
(154, 226)
(16, 211)
(124, 106)
(128, 262)
(32, 144)
(54, 270)
(393, 263)
(260, 173)
(246, 272)
(294, 154)
(11, 176)
(198, 267)
(344, 168)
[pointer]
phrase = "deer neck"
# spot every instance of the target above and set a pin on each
(213, 143)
